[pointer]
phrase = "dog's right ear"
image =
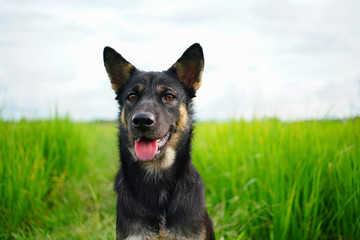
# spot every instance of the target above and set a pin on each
(118, 69)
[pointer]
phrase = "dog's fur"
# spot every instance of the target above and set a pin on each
(162, 198)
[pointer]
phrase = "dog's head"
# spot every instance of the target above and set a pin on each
(155, 106)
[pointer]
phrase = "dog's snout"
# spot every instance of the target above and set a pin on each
(143, 120)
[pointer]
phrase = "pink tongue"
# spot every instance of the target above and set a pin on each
(146, 150)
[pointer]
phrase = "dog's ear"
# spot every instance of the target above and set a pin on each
(118, 69)
(189, 67)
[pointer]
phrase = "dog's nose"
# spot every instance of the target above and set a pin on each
(143, 120)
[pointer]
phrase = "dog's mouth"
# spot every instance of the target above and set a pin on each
(149, 149)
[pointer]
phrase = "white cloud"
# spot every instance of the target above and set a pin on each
(293, 59)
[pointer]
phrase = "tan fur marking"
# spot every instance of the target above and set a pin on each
(189, 78)
(127, 70)
(174, 139)
(114, 86)
(160, 88)
(197, 85)
(123, 119)
(163, 234)
(168, 158)
(119, 75)
(156, 166)
(183, 118)
(181, 126)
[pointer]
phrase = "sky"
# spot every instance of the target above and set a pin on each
(288, 59)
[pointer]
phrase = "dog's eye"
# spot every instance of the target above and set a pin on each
(132, 97)
(169, 97)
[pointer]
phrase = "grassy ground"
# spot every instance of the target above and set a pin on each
(264, 179)
(56, 180)
(274, 180)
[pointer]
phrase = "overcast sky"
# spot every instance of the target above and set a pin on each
(291, 59)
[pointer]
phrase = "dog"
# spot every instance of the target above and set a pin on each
(160, 194)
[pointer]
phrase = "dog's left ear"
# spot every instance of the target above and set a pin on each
(189, 67)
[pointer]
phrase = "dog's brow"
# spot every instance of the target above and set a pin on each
(137, 87)
(163, 88)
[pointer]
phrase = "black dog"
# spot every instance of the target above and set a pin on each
(160, 193)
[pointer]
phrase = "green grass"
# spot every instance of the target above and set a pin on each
(56, 180)
(265, 179)
(275, 180)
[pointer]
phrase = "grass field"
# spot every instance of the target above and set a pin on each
(265, 179)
